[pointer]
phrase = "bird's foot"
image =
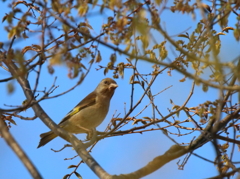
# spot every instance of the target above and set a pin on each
(91, 136)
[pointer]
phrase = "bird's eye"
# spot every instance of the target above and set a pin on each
(105, 82)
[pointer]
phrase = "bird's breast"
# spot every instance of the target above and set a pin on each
(92, 116)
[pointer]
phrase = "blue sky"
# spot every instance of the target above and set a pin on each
(116, 155)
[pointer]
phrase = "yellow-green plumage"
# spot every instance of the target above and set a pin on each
(88, 114)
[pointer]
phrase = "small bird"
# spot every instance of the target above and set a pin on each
(88, 114)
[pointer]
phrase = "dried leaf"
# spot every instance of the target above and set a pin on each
(225, 169)
(148, 118)
(121, 69)
(176, 122)
(163, 52)
(199, 28)
(134, 82)
(183, 35)
(89, 26)
(11, 33)
(225, 146)
(25, 35)
(131, 79)
(105, 71)
(55, 60)
(25, 49)
(113, 58)
(205, 87)
(169, 73)
(135, 121)
(99, 57)
(10, 88)
(50, 69)
(4, 17)
(220, 33)
(10, 120)
(178, 113)
(206, 7)
(203, 121)
(226, 29)
(36, 47)
(78, 175)
(82, 10)
(176, 107)
(66, 176)
(184, 79)
(72, 166)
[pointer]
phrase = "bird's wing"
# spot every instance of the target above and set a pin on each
(89, 100)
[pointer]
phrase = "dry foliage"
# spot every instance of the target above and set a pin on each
(129, 31)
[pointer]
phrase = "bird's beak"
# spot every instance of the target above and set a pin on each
(113, 86)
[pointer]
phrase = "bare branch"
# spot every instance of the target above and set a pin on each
(18, 150)
(77, 145)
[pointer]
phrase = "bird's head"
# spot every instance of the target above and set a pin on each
(107, 87)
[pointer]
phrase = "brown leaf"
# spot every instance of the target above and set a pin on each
(36, 47)
(9, 118)
(10, 88)
(135, 82)
(99, 57)
(220, 33)
(4, 17)
(50, 69)
(184, 79)
(72, 166)
(25, 35)
(227, 28)
(78, 175)
(183, 35)
(25, 49)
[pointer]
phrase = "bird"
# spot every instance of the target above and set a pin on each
(88, 113)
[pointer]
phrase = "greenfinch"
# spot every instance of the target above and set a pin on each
(88, 114)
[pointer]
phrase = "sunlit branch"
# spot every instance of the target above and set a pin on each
(194, 77)
(78, 145)
(18, 150)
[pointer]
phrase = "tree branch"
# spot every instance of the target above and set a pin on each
(177, 151)
(77, 144)
(18, 150)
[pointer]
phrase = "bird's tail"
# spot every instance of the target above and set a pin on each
(46, 137)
